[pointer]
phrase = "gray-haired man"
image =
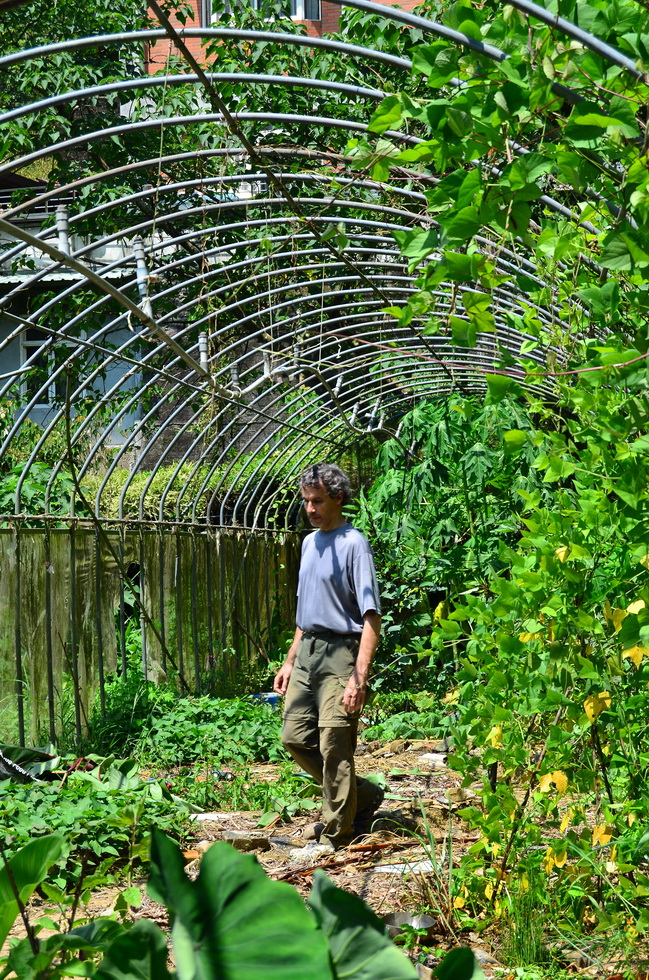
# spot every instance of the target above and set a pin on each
(324, 676)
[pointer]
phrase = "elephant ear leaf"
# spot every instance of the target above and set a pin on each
(139, 953)
(358, 944)
(234, 923)
(459, 964)
(22, 873)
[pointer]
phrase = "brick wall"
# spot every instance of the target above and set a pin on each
(330, 18)
(330, 14)
(408, 5)
(158, 53)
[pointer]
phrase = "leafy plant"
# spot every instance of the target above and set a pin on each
(407, 724)
(105, 816)
(238, 730)
(231, 921)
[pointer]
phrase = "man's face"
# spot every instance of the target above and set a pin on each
(322, 511)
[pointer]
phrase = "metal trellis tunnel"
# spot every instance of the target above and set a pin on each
(192, 308)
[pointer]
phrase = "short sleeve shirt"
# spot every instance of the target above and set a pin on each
(337, 583)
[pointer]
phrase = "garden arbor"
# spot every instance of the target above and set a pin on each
(218, 272)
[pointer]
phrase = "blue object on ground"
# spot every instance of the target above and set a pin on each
(268, 697)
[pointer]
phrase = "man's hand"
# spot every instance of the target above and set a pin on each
(356, 689)
(280, 683)
(354, 696)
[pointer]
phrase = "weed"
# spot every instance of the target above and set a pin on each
(437, 891)
(523, 937)
(105, 816)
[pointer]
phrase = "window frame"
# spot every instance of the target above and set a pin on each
(298, 10)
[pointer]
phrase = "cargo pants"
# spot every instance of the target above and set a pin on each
(320, 734)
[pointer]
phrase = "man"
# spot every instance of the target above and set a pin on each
(324, 676)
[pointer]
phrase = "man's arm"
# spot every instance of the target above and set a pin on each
(280, 683)
(356, 690)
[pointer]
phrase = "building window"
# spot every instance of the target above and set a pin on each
(298, 9)
(305, 9)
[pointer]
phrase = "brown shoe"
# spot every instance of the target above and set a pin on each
(312, 831)
(363, 820)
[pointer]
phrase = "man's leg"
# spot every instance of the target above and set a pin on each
(300, 739)
(339, 783)
(338, 732)
(300, 725)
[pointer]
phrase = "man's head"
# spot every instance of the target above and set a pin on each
(325, 489)
(334, 480)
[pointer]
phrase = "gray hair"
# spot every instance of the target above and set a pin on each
(331, 477)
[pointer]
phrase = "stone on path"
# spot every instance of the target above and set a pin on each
(247, 840)
(434, 760)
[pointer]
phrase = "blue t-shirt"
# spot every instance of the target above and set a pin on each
(337, 583)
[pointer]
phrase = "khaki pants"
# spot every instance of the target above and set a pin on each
(321, 735)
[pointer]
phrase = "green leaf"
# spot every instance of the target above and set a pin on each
(437, 61)
(233, 923)
(514, 440)
(501, 385)
(459, 964)
(140, 953)
(458, 267)
(359, 946)
(622, 254)
(459, 122)
(462, 225)
(463, 332)
(477, 309)
(601, 299)
(388, 115)
(380, 170)
(25, 870)
(417, 244)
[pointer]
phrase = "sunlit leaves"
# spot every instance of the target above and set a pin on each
(636, 654)
(602, 835)
(624, 253)
(387, 116)
(595, 704)
(438, 62)
(557, 778)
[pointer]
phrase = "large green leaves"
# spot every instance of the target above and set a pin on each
(22, 873)
(233, 923)
(139, 953)
(459, 964)
(360, 949)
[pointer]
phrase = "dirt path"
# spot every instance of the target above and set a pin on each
(385, 869)
(379, 869)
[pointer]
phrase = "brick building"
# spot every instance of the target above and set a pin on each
(320, 17)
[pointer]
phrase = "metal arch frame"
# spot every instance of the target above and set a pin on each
(527, 7)
(85, 382)
(163, 219)
(201, 232)
(314, 260)
(360, 432)
(164, 81)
